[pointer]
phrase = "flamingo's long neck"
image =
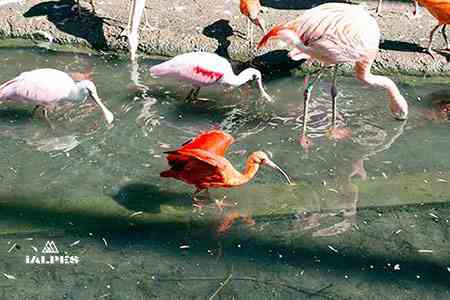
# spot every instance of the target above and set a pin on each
(397, 104)
(79, 92)
(238, 80)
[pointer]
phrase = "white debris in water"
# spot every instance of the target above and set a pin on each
(136, 214)
(111, 266)
(425, 251)
(184, 247)
(332, 249)
(448, 269)
(12, 247)
(9, 276)
(334, 191)
(164, 145)
(35, 249)
(418, 276)
(105, 242)
(434, 215)
(397, 267)
(75, 243)
(398, 231)
(384, 175)
(441, 180)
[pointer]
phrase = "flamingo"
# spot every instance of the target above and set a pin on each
(252, 9)
(205, 69)
(45, 87)
(337, 33)
(201, 162)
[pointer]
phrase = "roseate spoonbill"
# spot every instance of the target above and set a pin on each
(201, 162)
(204, 69)
(45, 87)
(337, 33)
(252, 9)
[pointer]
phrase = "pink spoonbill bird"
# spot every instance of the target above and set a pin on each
(337, 33)
(204, 69)
(45, 87)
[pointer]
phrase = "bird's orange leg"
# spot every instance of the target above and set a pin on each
(197, 203)
(429, 51)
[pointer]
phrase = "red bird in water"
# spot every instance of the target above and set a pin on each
(201, 162)
(252, 10)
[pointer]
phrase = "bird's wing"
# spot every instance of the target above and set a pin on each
(41, 86)
(199, 68)
(215, 161)
(214, 141)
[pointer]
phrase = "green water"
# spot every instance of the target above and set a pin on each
(96, 192)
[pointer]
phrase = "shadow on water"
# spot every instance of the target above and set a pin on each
(63, 15)
(221, 31)
(148, 198)
(300, 251)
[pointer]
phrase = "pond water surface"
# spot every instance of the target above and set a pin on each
(368, 218)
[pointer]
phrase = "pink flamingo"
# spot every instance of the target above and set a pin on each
(337, 33)
(45, 87)
(204, 69)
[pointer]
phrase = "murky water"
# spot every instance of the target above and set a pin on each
(368, 219)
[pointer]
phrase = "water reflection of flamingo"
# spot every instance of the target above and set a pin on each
(337, 33)
(45, 87)
(205, 69)
(201, 162)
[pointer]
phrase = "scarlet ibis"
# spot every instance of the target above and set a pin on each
(45, 87)
(252, 10)
(201, 162)
(337, 33)
(205, 69)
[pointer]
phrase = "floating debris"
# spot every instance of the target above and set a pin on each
(434, 215)
(184, 247)
(425, 251)
(136, 214)
(441, 180)
(111, 266)
(398, 231)
(75, 243)
(334, 191)
(332, 249)
(35, 249)
(12, 247)
(9, 276)
(397, 267)
(105, 242)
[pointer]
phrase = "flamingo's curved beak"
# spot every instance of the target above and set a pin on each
(106, 112)
(276, 167)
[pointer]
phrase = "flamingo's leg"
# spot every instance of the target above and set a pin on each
(193, 94)
(429, 51)
(197, 203)
(45, 114)
(378, 11)
(447, 45)
(334, 95)
(35, 110)
(307, 96)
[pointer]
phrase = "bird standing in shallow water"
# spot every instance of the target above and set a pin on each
(201, 162)
(252, 10)
(440, 9)
(45, 87)
(337, 33)
(204, 69)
